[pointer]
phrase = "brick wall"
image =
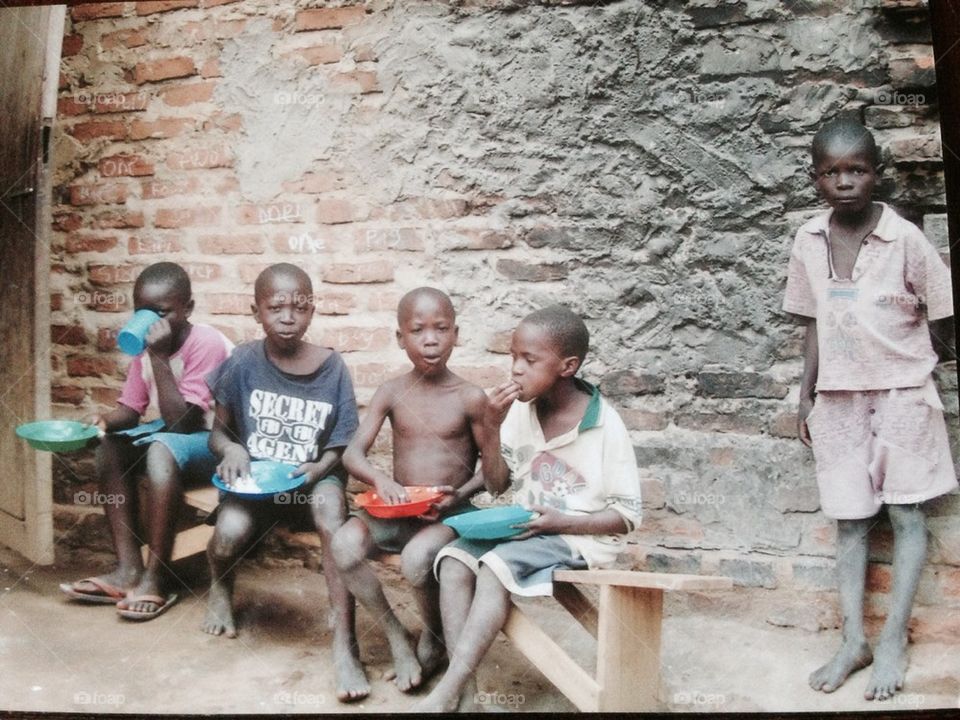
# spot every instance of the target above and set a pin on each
(644, 162)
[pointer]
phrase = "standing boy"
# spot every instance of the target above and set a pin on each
(287, 400)
(169, 377)
(568, 456)
(867, 281)
(436, 418)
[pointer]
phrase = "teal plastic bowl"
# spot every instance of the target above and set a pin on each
(267, 477)
(490, 524)
(57, 435)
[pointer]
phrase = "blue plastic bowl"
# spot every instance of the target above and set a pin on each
(267, 477)
(490, 524)
(57, 435)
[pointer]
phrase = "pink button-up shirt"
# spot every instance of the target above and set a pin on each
(872, 328)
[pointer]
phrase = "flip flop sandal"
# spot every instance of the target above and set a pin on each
(162, 603)
(108, 595)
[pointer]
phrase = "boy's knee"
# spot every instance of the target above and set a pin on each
(349, 545)
(162, 467)
(416, 564)
(453, 570)
(223, 547)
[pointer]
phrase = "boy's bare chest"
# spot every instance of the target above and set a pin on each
(432, 415)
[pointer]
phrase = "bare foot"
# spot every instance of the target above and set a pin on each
(889, 670)
(352, 682)
(430, 654)
(851, 656)
(126, 579)
(406, 674)
(148, 585)
(219, 619)
(440, 700)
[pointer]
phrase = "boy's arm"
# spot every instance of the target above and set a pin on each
(494, 469)
(316, 471)
(178, 415)
(355, 456)
(234, 458)
(120, 418)
(551, 521)
(808, 384)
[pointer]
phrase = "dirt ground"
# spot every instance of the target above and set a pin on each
(62, 656)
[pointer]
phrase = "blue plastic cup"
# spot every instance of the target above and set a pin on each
(132, 339)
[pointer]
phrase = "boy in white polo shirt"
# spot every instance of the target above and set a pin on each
(868, 282)
(567, 455)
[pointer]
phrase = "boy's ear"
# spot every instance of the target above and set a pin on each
(569, 366)
(256, 311)
(190, 306)
(812, 173)
(880, 167)
(400, 339)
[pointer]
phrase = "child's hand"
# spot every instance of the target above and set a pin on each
(499, 402)
(98, 421)
(391, 492)
(547, 521)
(160, 339)
(310, 470)
(234, 465)
(803, 432)
(450, 498)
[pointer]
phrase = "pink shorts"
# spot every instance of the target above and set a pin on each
(879, 447)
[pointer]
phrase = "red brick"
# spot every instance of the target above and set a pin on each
(153, 246)
(153, 189)
(362, 81)
(104, 103)
(335, 303)
(105, 396)
(68, 335)
(67, 394)
(91, 366)
(364, 53)
(92, 11)
(531, 272)
(86, 131)
(186, 217)
(232, 245)
(319, 54)
(98, 194)
(149, 8)
(211, 68)
(374, 239)
(475, 240)
(181, 95)
(879, 578)
(56, 301)
(127, 165)
(229, 303)
(72, 44)
(200, 158)
(106, 275)
(368, 272)
(163, 128)
(70, 107)
(107, 339)
(67, 222)
(332, 211)
(313, 183)
(383, 301)
(118, 219)
(201, 272)
(131, 38)
(499, 342)
(157, 70)
(89, 243)
(226, 185)
(281, 212)
(441, 208)
(355, 339)
(328, 18)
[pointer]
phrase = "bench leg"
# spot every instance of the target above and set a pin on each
(628, 648)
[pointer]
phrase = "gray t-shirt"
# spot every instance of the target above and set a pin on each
(284, 417)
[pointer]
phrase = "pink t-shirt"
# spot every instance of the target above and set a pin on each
(872, 328)
(203, 351)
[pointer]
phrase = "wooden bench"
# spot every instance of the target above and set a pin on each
(193, 540)
(626, 623)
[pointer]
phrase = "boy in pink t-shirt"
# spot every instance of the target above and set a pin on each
(169, 379)
(867, 282)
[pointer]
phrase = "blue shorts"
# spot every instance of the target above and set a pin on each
(189, 450)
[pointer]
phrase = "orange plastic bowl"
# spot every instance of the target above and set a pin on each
(419, 500)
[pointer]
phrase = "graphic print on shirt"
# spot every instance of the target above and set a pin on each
(841, 329)
(286, 427)
(552, 480)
